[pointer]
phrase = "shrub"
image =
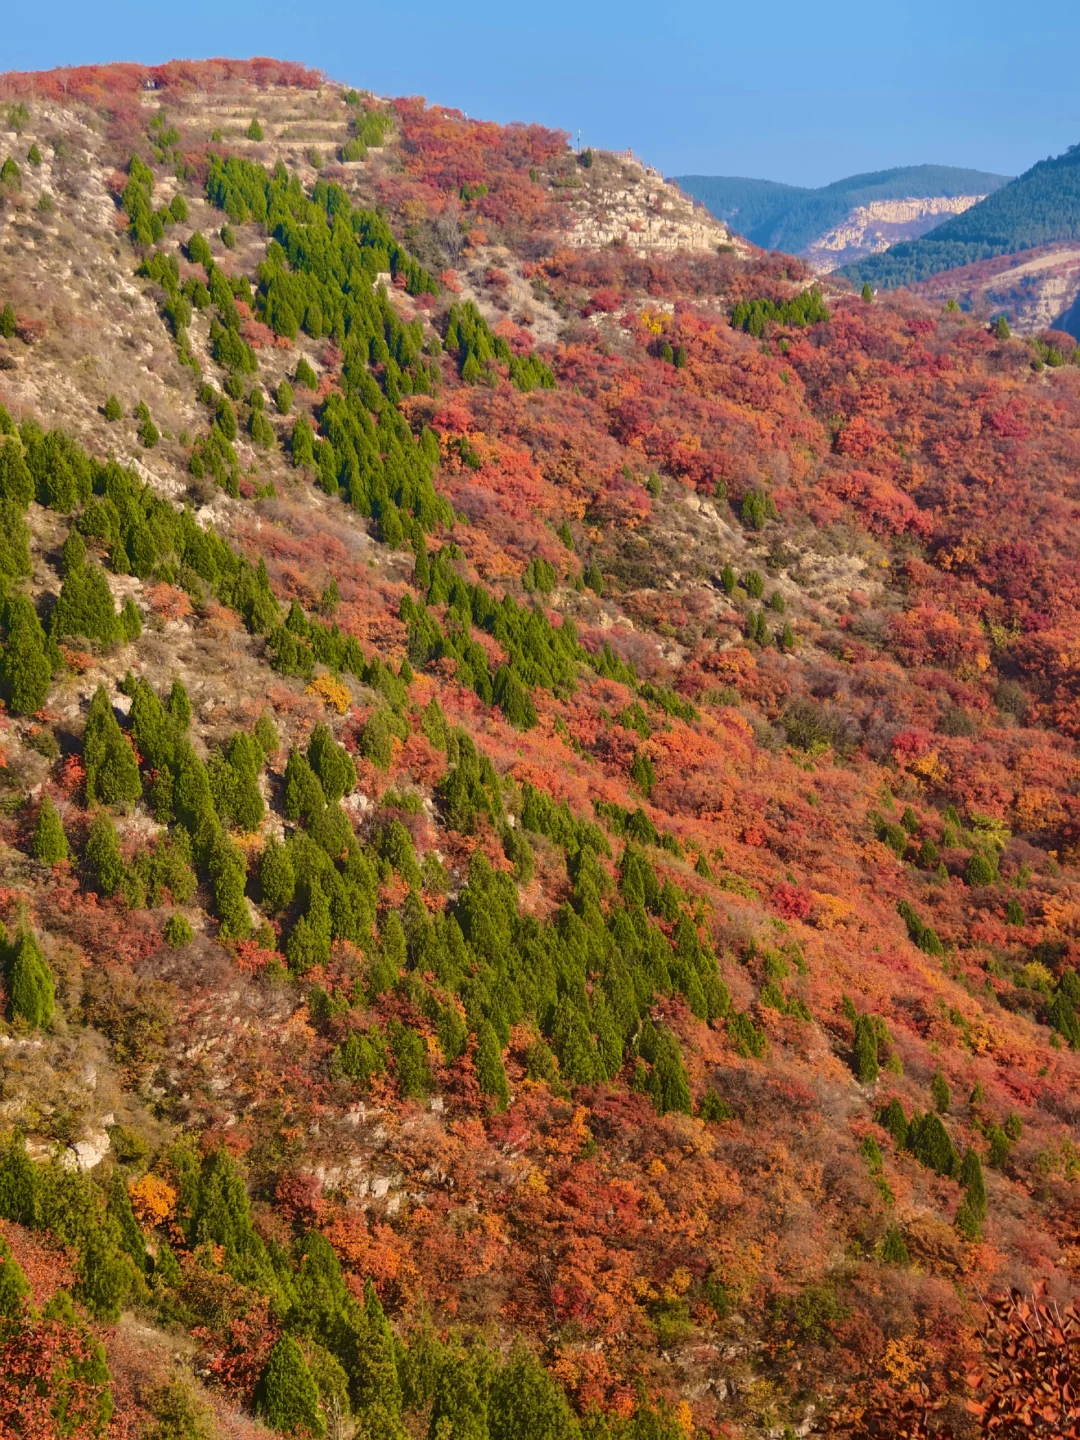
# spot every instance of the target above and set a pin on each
(178, 932)
(758, 507)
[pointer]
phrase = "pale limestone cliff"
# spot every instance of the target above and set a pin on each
(869, 229)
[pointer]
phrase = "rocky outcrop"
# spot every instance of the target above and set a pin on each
(869, 229)
(620, 201)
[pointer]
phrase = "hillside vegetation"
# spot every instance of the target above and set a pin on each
(1037, 208)
(791, 217)
(539, 808)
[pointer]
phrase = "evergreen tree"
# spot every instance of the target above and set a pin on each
(18, 1183)
(178, 705)
(304, 797)
(30, 982)
(287, 1396)
(177, 932)
(103, 858)
(305, 375)
(112, 776)
(254, 130)
(123, 1217)
(929, 1142)
(14, 1288)
(460, 1402)
(866, 1050)
(971, 1178)
(86, 607)
(940, 1092)
(25, 666)
(867, 293)
(15, 563)
(229, 875)
(276, 876)
(490, 1071)
(527, 1404)
(332, 763)
(112, 409)
(50, 843)
(105, 1275)
(1001, 328)
(130, 621)
(892, 1250)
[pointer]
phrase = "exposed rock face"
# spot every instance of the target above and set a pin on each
(621, 201)
(1035, 289)
(869, 229)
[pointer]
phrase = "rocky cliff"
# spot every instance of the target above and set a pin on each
(869, 229)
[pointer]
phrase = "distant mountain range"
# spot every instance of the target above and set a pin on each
(847, 219)
(1041, 207)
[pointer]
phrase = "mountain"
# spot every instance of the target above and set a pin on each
(1040, 207)
(539, 827)
(850, 217)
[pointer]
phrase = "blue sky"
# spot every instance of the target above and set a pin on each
(787, 91)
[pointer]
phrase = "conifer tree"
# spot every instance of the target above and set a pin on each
(490, 1071)
(25, 665)
(112, 409)
(866, 1050)
(50, 843)
(18, 1183)
(526, 1403)
(229, 874)
(123, 1217)
(105, 1275)
(971, 1178)
(940, 1092)
(86, 607)
(867, 293)
(103, 858)
(254, 130)
(461, 1397)
(14, 1287)
(15, 561)
(30, 982)
(276, 876)
(178, 705)
(332, 763)
(893, 1251)
(112, 776)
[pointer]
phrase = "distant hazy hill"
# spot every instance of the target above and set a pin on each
(1038, 208)
(791, 217)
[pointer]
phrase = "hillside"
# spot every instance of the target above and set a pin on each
(1040, 207)
(539, 819)
(837, 223)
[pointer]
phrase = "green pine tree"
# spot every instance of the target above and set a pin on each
(105, 1273)
(866, 1050)
(526, 1403)
(50, 843)
(30, 982)
(112, 409)
(18, 1183)
(112, 776)
(892, 1249)
(490, 1071)
(254, 130)
(940, 1092)
(971, 1178)
(867, 293)
(24, 667)
(103, 858)
(14, 1288)
(123, 1217)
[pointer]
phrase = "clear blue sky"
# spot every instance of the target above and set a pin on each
(789, 91)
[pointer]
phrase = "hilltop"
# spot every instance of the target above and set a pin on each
(835, 224)
(538, 799)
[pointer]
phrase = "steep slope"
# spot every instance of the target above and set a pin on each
(538, 796)
(1036, 290)
(1040, 207)
(848, 219)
